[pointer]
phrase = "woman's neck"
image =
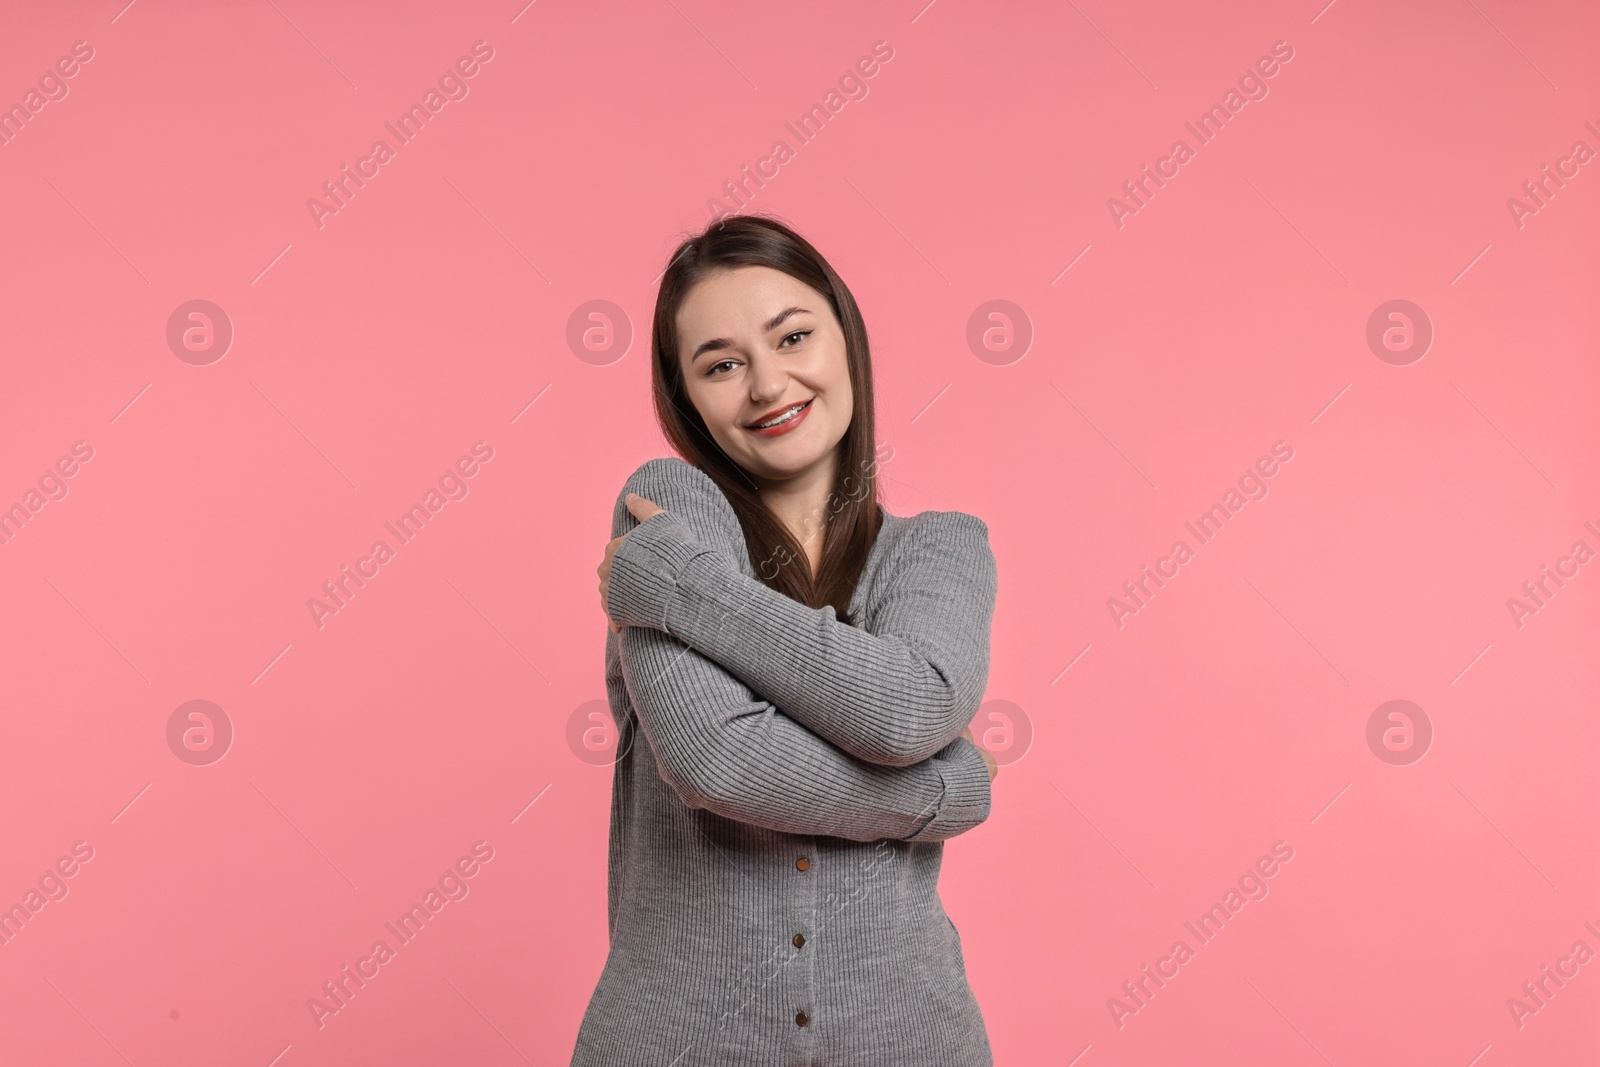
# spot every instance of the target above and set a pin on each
(801, 504)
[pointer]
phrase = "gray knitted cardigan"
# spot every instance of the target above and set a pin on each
(777, 824)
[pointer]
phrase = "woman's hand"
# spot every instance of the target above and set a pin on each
(642, 509)
(988, 759)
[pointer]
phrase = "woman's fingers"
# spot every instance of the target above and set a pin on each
(604, 571)
(641, 508)
(988, 757)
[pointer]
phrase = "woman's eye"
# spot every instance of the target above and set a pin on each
(724, 363)
(797, 333)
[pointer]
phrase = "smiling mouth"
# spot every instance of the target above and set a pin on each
(779, 420)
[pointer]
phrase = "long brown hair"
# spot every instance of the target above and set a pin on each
(779, 559)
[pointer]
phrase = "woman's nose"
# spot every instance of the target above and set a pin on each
(768, 379)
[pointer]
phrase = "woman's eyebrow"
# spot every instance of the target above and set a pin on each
(767, 327)
(777, 320)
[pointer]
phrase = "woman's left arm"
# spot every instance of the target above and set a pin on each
(894, 696)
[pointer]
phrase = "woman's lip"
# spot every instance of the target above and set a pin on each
(784, 427)
(774, 413)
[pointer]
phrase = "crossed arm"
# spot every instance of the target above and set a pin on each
(894, 696)
(721, 746)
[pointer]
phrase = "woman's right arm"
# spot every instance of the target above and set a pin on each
(721, 747)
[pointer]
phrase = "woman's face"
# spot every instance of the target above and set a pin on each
(753, 343)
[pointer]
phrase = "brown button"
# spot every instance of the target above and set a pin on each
(799, 940)
(801, 1018)
(801, 864)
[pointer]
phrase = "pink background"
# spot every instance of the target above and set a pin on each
(432, 310)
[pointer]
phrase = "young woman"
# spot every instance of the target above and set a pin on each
(803, 666)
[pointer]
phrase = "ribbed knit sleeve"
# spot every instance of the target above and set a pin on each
(893, 696)
(723, 748)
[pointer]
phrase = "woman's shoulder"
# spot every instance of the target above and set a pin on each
(944, 550)
(670, 470)
(938, 526)
(953, 541)
(680, 487)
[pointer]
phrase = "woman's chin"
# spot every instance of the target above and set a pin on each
(777, 463)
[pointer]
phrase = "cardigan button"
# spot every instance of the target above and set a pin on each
(801, 864)
(801, 1018)
(799, 940)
